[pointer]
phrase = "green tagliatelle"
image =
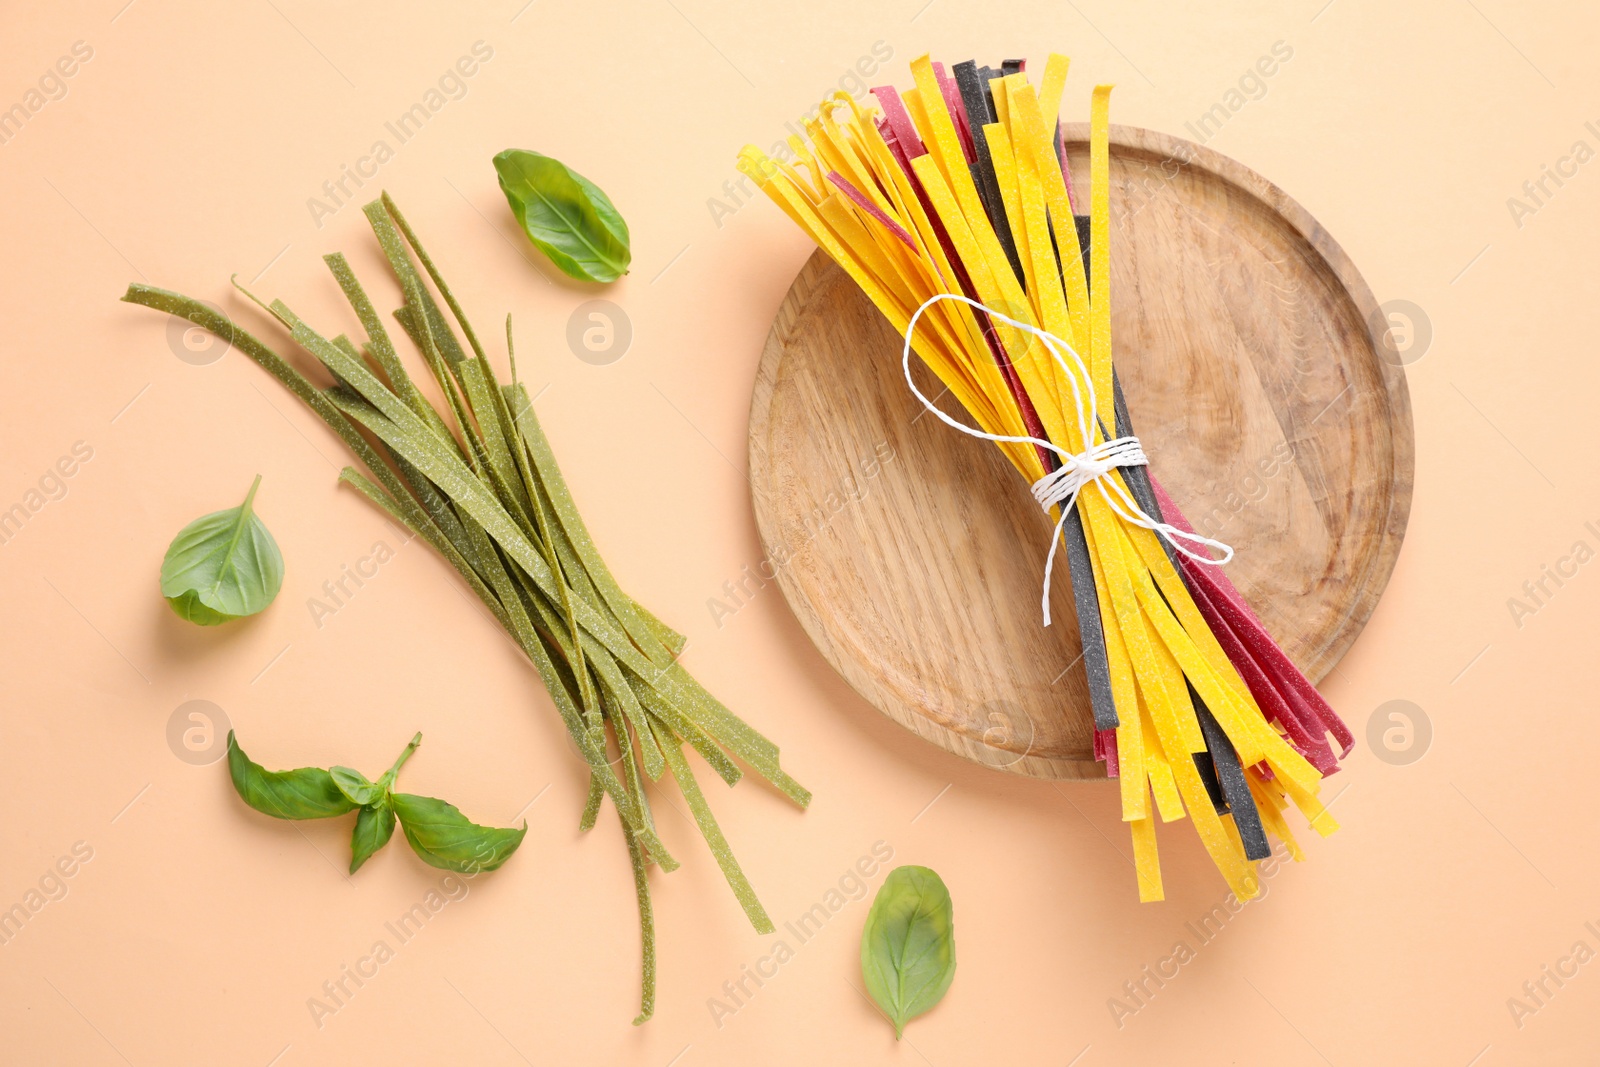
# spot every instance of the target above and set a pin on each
(476, 478)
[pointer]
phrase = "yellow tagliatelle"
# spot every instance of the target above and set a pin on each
(893, 200)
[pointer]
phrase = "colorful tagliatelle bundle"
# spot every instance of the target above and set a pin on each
(953, 210)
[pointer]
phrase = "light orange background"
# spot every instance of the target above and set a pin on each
(186, 149)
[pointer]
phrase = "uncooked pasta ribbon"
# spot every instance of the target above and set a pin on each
(951, 205)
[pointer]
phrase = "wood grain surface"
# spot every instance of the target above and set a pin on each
(1258, 377)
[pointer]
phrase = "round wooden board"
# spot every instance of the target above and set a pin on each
(1253, 358)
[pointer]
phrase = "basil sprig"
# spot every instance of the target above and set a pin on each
(908, 948)
(565, 215)
(438, 832)
(223, 566)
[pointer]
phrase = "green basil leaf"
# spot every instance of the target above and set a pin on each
(222, 566)
(565, 215)
(445, 838)
(908, 948)
(355, 785)
(305, 793)
(374, 827)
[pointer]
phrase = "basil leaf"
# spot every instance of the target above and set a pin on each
(908, 948)
(374, 827)
(355, 785)
(305, 793)
(445, 838)
(565, 215)
(222, 566)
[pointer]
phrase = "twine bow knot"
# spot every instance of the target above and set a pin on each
(1062, 486)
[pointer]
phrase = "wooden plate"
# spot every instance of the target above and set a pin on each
(1256, 368)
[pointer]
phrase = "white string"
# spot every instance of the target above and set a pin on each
(1060, 488)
